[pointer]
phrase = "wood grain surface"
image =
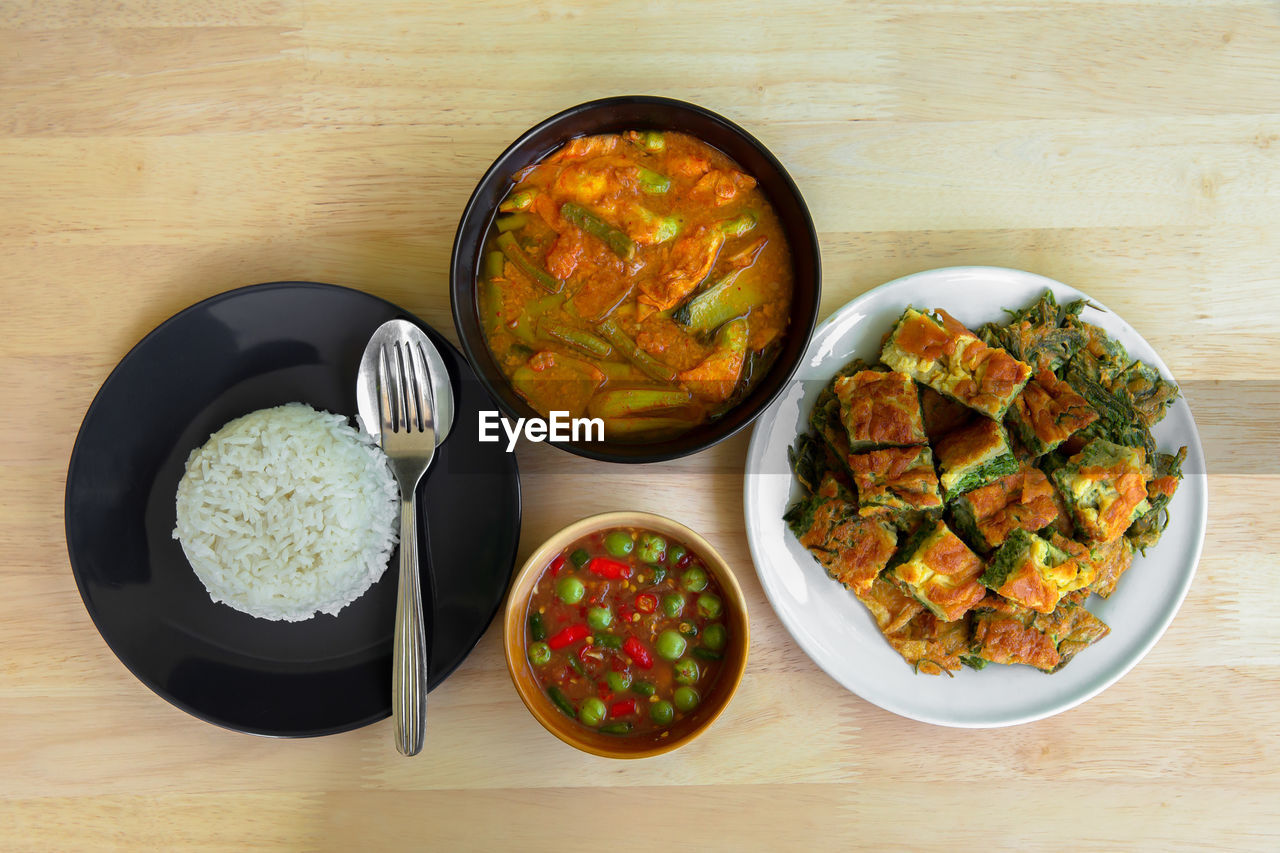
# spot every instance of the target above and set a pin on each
(154, 153)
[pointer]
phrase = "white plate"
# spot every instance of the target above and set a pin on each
(837, 631)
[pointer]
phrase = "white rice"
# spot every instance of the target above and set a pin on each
(287, 512)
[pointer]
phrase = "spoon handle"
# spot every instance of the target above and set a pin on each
(409, 678)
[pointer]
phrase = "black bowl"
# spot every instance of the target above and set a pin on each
(614, 115)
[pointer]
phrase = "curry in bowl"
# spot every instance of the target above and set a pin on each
(639, 277)
(626, 634)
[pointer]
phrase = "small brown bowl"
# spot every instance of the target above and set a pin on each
(624, 746)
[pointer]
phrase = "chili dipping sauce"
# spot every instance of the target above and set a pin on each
(625, 631)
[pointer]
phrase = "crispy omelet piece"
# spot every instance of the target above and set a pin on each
(852, 549)
(1092, 373)
(1147, 391)
(824, 419)
(1146, 530)
(1136, 385)
(1075, 628)
(1105, 487)
(939, 570)
(930, 645)
(1048, 412)
(1108, 561)
(1023, 500)
(973, 456)
(1006, 632)
(895, 480)
(879, 409)
(1033, 572)
(1105, 357)
(937, 350)
(992, 378)
(1044, 334)
(890, 606)
(1001, 638)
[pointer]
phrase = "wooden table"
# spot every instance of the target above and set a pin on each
(154, 154)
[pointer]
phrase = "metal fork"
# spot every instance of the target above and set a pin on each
(406, 410)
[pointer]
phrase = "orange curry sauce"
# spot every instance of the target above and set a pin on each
(641, 278)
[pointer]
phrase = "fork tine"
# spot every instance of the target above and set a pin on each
(385, 411)
(395, 389)
(397, 386)
(422, 385)
(412, 405)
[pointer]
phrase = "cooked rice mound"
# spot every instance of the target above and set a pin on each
(287, 512)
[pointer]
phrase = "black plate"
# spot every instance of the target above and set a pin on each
(233, 353)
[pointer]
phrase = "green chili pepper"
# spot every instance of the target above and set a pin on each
(609, 641)
(561, 701)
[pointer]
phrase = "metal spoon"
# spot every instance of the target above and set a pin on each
(399, 407)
